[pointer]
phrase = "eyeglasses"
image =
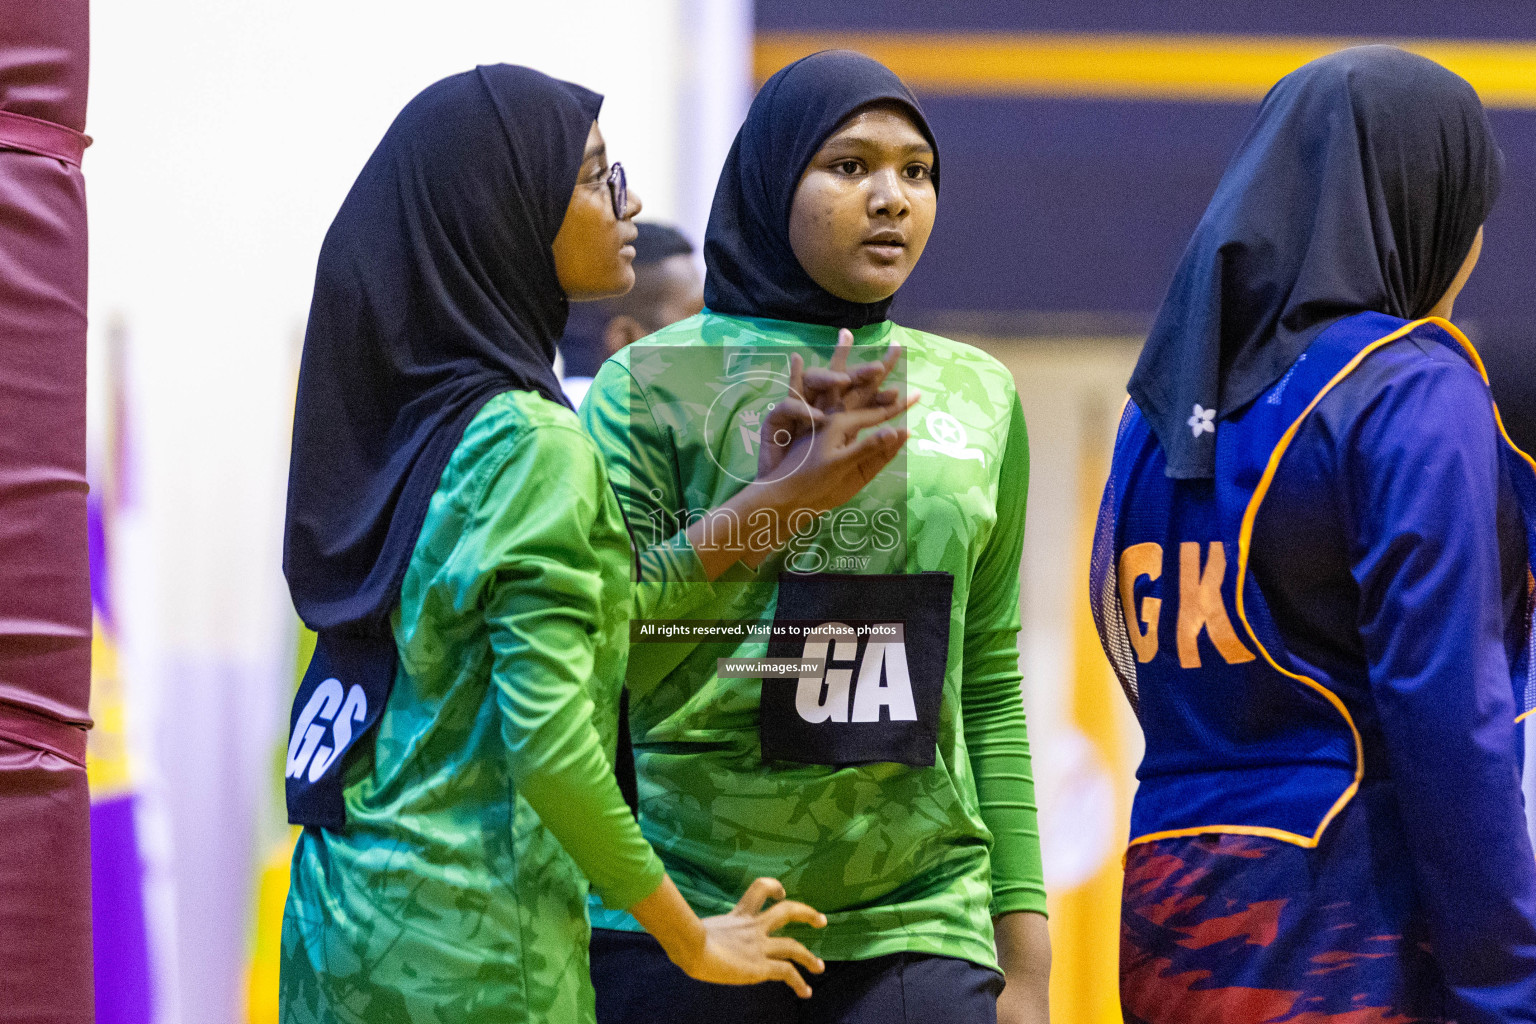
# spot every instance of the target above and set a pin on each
(618, 189)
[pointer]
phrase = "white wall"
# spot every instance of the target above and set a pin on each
(227, 133)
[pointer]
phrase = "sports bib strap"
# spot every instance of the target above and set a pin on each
(1522, 476)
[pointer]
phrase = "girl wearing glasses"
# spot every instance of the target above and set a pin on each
(1311, 573)
(890, 784)
(452, 538)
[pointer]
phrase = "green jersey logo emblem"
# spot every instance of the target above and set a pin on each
(948, 437)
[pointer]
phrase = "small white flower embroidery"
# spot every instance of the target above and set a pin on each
(1200, 422)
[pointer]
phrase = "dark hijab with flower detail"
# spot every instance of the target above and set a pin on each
(1360, 187)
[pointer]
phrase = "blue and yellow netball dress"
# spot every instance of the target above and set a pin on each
(1312, 575)
(1328, 644)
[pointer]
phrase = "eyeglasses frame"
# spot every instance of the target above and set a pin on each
(618, 189)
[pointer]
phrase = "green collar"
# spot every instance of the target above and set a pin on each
(796, 333)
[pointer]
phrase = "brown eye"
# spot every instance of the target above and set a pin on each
(848, 166)
(918, 172)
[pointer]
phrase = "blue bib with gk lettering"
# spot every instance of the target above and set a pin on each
(1239, 738)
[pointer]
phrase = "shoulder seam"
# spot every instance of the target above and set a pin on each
(503, 450)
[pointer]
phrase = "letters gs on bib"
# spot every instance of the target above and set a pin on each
(338, 704)
(306, 757)
(878, 698)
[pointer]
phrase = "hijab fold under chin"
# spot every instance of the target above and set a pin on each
(1359, 188)
(752, 270)
(436, 289)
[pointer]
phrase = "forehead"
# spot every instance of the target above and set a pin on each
(883, 126)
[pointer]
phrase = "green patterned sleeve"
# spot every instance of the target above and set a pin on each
(640, 459)
(992, 707)
(532, 532)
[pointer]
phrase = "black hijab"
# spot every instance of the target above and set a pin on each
(752, 271)
(1360, 187)
(436, 290)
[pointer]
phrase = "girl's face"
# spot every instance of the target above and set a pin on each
(593, 257)
(865, 205)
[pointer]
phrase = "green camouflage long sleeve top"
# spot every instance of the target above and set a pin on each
(458, 891)
(900, 858)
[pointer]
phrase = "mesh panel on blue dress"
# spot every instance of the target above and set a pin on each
(1104, 584)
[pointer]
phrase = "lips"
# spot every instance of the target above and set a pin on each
(886, 245)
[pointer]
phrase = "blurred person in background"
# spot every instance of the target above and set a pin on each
(1312, 575)
(453, 540)
(668, 288)
(911, 824)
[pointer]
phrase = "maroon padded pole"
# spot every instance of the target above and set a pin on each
(45, 608)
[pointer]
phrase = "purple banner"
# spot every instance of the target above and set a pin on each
(117, 916)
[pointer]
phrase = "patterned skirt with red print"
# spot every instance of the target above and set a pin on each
(1233, 929)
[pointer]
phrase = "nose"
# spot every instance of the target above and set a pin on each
(633, 207)
(886, 196)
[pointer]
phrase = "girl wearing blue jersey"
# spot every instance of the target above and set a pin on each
(1312, 575)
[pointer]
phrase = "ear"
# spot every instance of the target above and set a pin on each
(622, 330)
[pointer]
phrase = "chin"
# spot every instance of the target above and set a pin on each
(622, 281)
(872, 289)
(620, 284)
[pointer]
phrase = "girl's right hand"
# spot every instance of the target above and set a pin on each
(810, 460)
(740, 948)
(823, 465)
(812, 443)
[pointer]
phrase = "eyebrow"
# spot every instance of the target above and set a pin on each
(601, 150)
(864, 140)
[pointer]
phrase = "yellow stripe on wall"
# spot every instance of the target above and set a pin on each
(1212, 68)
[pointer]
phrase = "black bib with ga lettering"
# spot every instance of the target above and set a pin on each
(885, 642)
(339, 702)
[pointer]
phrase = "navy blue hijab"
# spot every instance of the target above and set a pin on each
(436, 289)
(752, 271)
(1360, 187)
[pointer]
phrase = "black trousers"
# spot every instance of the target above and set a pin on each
(637, 984)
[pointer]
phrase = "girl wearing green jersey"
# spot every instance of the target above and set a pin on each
(885, 777)
(453, 539)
